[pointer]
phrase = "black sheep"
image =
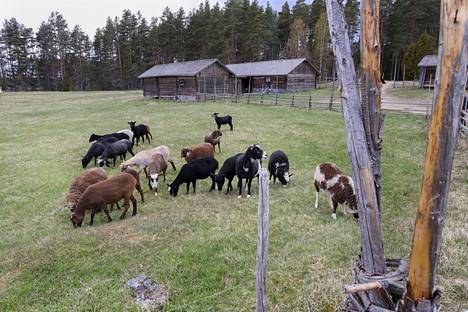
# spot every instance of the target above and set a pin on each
(140, 131)
(119, 148)
(116, 135)
(278, 166)
(224, 120)
(95, 150)
(199, 169)
(247, 166)
(227, 171)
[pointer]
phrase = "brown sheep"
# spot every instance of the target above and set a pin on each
(81, 183)
(99, 195)
(198, 151)
(156, 166)
(214, 138)
(137, 178)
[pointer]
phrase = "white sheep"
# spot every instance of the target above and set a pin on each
(143, 158)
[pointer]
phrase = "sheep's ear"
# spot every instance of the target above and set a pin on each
(291, 174)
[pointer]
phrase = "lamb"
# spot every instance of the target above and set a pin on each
(224, 120)
(214, 138)
(140, 131)
(99, 195)
(119, 148)
(157, 166)
(191, 172)
(338, 187)
(227, 171)
(198, 151)
(118, 136)
(143, 158)
(247, 166)
(80, 183)
(278, 166)
(95, 150)
(137, 178)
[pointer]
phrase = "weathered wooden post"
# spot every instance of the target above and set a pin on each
(292, 100)
(262, 244)
(276, 97)
(449, 92)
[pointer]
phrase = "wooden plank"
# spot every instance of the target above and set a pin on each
(262, 244)
(449, 91)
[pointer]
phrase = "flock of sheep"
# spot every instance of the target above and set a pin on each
(93, 190)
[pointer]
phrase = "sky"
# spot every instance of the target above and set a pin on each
(91, 14)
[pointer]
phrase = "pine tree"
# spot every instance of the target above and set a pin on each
(284, 25)
(413, 54)
(297, 43)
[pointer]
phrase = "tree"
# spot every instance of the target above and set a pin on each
(296, 46)
(284, 24)
(416, 51)
(322, 53)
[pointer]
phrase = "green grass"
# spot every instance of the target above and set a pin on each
(201, 246)
(411, 93)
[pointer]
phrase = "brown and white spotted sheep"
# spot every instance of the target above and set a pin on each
(338, 187)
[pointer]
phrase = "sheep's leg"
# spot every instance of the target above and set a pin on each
(134, 204)
(109, 219)
(93, 212)
(212, 182)
(130, 150)
(95, 160)
(194, 183)
(126, 206)
(219, 147)
(188, 187)
(142, 139)
(316, 199)
(150, 135)
(164, 175)
(239, 185)
(148, 138)
(274, 179)
(335, 205)
(329, 198)
(172, 163)
(248, 188)
(140, 190)
(230, 125)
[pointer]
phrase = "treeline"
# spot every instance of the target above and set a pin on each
(60, 57)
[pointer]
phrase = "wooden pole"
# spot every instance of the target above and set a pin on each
(449, 89)
(262, 245)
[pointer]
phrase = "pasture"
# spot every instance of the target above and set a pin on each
(202, 246)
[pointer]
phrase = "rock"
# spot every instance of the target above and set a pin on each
(148, 294)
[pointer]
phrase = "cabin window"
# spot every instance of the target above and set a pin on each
(181, 82)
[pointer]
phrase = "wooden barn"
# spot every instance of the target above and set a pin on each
(188, 81)
(275, 76)
(427, 70)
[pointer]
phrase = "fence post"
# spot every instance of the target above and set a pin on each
(248, 98)
(292, 100)
(276, 98)
(261, 99)
(310, 101)
(262, 244)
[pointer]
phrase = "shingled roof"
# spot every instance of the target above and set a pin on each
(267, 68)
(180, 69)
(428, 60)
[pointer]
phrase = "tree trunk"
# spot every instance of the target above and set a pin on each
(450, 84)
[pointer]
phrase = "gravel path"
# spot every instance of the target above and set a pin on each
(414, 106)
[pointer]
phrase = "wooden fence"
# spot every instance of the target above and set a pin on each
(464, 117)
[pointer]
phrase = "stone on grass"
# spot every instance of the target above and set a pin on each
(148, 294)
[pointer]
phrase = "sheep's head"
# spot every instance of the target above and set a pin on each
(101, 163)
(132, 124)
(282, 173)
(219, 180)
(154, 181)
(216, 133)
(84, 162)
(256, 152)
(71, 206)
(214, 115)
(76, 220)
(185, 152)
(173, 189)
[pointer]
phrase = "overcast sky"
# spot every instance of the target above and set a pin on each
(91, 14)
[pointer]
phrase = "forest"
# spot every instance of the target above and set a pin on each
(62, 57)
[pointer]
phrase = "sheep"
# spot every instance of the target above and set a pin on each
(278, 166)
(157, 166)
(137, 178)
(143, 158)
(191, 172)
(338, 187)
(127, 132)
(214, 138)
(115, 149)
(227, 171)
(247, 166)
(95, 150)
(198, 151)
(118, 136)
(99, 195)
(80, 183)
(140, 131)
(225, 120)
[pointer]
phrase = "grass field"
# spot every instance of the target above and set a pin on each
(201, 246)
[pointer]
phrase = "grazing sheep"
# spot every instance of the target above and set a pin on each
(119, 148)
(247, 166)
(198, 151)
(278, 166)
(224, 120)
(214, 138)
(127, 132)
(137, 178)
(227, 171)
(338, 187)
(191, 172)
(143, 158)
(81, 183)
(140, 131)
(95, 150)
(99, 195)
(118, 136)
(157, 166)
